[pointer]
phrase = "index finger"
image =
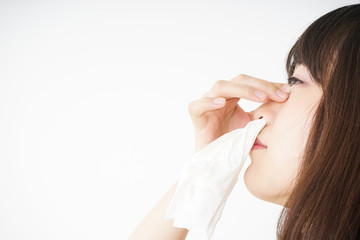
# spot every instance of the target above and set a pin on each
(275, 90)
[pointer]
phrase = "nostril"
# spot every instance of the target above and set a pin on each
(261, 117)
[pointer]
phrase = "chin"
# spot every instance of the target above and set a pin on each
(249, 181)
(255, 186)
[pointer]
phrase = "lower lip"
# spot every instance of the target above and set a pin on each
(256, 146)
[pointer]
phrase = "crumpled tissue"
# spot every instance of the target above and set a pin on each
(207, 180)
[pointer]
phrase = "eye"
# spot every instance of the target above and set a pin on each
(291, 79)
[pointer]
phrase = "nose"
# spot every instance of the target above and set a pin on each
(267, 110)
(255, 114)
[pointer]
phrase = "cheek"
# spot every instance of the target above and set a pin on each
(290, 130)
(269, 178)
(272, 172)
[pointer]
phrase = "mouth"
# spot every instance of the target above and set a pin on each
(258, 145)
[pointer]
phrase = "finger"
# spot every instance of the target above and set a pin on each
(230, 89)
(275, 91)
(206, 104)
(243, 78)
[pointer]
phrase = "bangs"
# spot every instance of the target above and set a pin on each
(318, 47)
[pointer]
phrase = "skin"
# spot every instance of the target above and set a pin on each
(272, 169)
(217, 112)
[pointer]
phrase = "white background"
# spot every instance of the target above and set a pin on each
(94, 126)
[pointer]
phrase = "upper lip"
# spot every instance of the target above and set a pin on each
(258, 142)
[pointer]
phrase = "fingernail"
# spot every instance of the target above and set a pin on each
(219, 101)
(260, 94)
(286, 87)
(281, 94)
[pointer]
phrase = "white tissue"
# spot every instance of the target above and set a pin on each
(208, 179)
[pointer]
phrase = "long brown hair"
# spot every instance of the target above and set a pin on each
(325, 202)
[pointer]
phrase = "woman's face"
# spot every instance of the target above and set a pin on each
(272, 169)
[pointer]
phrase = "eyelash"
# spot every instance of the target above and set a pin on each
(293, 78)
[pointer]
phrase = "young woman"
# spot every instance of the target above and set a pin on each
(311, 163)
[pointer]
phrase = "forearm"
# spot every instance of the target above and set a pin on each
(154, 227)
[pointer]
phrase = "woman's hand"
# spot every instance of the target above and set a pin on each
(218, 112)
